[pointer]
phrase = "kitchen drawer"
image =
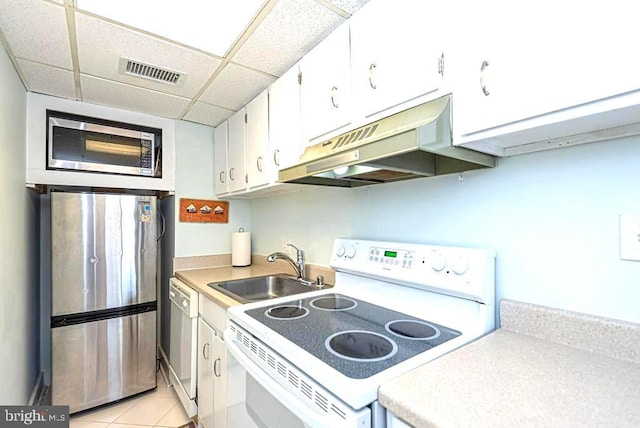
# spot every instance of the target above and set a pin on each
(214, 314)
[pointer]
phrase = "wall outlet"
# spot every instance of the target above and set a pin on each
(629, 237)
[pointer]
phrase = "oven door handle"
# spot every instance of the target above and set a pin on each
(290, 401)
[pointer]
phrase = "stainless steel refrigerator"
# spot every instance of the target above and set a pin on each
(103, 297)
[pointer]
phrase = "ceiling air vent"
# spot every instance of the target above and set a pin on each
(151, 72)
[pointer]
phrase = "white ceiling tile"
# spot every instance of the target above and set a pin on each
(207, 114)
(101, 44)
(274, 50)
(37, 31)
(235, 87)
(208, 25)
(45, 79)
(126, 97)
(350, 6)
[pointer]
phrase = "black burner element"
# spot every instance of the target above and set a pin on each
(288, 312)
(412, 329)
(358, 345)
(333, 303)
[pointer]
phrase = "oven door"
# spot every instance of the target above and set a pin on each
(255, 399)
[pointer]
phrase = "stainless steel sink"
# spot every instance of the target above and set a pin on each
(254, 289)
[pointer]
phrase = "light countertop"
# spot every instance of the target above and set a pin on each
(199, 278)
(544, 367)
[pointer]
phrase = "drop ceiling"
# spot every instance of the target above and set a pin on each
(225, 51)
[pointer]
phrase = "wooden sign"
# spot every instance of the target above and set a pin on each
(204, 211)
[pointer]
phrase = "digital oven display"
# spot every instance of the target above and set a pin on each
(392, 254)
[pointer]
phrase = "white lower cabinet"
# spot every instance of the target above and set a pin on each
(206, 337)
(212, 366)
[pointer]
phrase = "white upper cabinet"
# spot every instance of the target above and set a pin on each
(258, 166)
(237, 142)
(285, 133)
(396, 53)
(270, 137)
(525, 71)
(220, 158)
(326, 97)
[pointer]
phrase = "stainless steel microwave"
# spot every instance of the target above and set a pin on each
(88, 144)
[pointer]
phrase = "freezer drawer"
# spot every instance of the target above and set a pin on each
(102, 361)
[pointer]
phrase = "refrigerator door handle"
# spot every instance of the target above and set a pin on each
(164, 229)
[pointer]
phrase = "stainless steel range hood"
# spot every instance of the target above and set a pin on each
(411, 144)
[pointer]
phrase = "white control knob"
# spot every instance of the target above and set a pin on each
(185, 303)
(172, 294)
(340, 251)
(459, 265)
(438, 262)
(352, 252)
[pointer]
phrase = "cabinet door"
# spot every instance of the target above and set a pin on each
(326, 97)
(547, 56)
(258, 140)
(219, 383)
(220, 160)
(284, 122)
(237, 142)
(206, 345)
(396, 55)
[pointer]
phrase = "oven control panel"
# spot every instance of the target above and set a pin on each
(460, 271)
(401, 258)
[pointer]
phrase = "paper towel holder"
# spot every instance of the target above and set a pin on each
(240, 248)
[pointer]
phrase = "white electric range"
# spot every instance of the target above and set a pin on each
(317, 359)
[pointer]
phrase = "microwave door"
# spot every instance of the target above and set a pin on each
(90, 147)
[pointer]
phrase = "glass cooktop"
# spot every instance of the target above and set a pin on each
(357, 338)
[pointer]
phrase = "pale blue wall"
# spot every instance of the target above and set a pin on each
(194, 180)
(19, 259)
(552, 218)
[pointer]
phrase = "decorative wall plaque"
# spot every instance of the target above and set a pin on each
(203, 211)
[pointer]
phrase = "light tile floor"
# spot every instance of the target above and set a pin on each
(159, 408)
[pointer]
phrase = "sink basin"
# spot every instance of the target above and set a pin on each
(254, 289)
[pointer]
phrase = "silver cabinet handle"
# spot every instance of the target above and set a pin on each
(231, 174)
(221, 176)
(372, 68)
(441, 64)
(483, 84)
(205, 354)
(259, 163)
(216, 368)
(334, 91)
(276, 157)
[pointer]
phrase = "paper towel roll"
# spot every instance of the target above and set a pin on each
(241, 248)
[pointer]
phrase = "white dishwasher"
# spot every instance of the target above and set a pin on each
(183, 347)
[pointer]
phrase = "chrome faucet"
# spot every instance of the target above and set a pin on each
(298, 265)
